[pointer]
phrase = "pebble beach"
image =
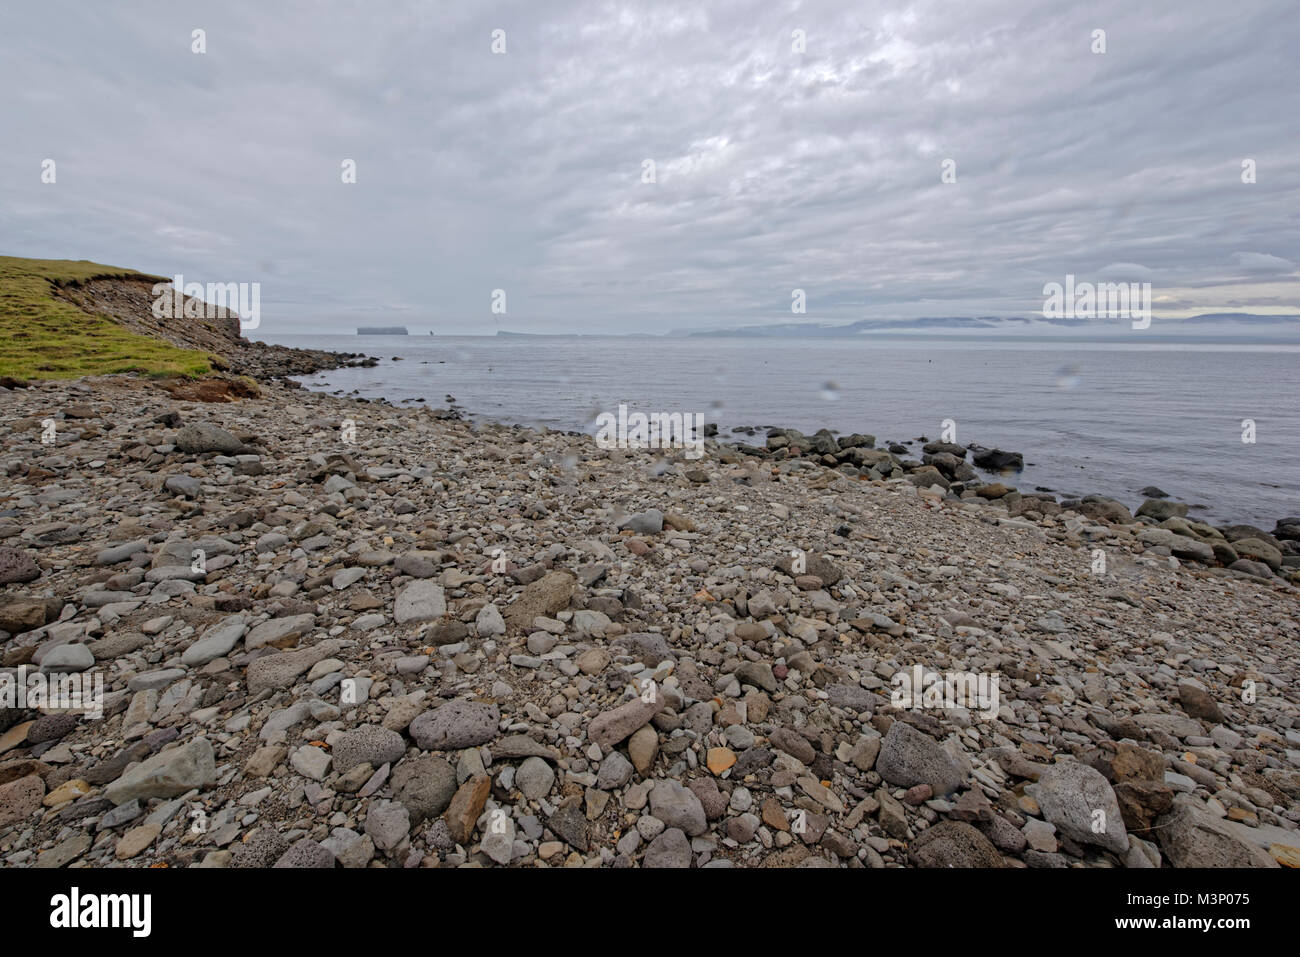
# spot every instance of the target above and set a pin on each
(334, 632)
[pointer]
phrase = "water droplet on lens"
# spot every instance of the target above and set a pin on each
(1069, 377)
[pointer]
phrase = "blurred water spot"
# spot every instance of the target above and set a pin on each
(1069, 376)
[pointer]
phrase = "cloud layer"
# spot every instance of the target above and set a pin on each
(775, 169)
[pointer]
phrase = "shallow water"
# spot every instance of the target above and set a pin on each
(1089, 417)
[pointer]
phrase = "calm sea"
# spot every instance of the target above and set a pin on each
(1089, 417)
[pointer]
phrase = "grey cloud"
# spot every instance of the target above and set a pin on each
(776, 170)
(1262, 263)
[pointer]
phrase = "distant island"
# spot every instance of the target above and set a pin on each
(381, 330)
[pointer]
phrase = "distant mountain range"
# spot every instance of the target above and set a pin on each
(1212, 324)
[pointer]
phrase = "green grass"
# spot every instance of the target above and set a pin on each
(42, 337)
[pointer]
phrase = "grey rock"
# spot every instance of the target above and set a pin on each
(120, 553)
(611, 727)
(216, 642)
(425, 785)
(69, 658)
(1071, 795)
(166, 774)
(16, 566)
(274, 728)
(615, 771)
(953, 844)
(647, 647)
(499, 837)
(1160, 510)
(201, 437)
(350, 848)
(311, 762)
(279, 630)
(419, 600)
(513, 746)
(456, 725)
(279, 671)
(534, 779)
(757, 673)
(387, 824)
(678, 806)
(307, 853)
(909, 757)
(368, 744)
(122, 814)
(184, 485)
(418, 564)
(262, 848)
(570, 825)
(489, 622)
(852, 697)
(649, 522)
(670, 849)
(1190, 837)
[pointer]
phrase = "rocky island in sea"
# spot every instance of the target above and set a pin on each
(381, 330)
(333, 632)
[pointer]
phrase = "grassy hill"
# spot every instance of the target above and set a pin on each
(44, 337)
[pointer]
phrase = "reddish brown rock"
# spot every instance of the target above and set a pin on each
(466, 805)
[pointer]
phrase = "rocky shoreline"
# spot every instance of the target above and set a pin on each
(335, 632)
(943, 466)
(1164, 524)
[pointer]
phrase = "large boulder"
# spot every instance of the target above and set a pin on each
(1082, 805)
(1160, 510)
(425, 785)
(1103, 509)
(909, 757)
(1288, 529)
(456, 725)
(21, 614)
(1258, 550)
(201, 437)
(1236, 532)
(678, 806)
(16, 566)
(1191, 837)
(167, 774)
(1181, 546)
(953, 844)
(997, 460)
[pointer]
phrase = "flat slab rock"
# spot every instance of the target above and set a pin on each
(166, 774)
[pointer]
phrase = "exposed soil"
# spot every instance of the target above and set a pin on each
(129, 302)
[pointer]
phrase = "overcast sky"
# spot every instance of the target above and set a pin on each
(776, 170)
